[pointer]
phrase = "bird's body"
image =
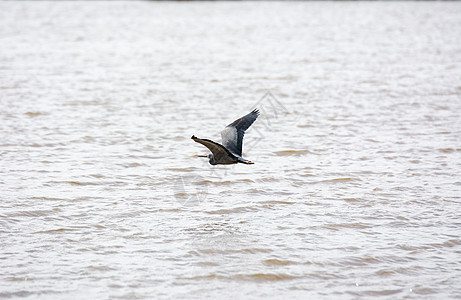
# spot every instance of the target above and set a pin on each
(230, 152)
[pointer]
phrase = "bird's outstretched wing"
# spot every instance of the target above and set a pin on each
(218, 150)
(232, 135)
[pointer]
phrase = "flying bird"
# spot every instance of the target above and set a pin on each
(230, 152)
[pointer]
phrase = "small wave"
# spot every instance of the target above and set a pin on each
(232, 211)
(268, 179)
(424, 291)
(35, 113)
(277, 262)
(351, 199)
(99, 176)
(133, 165)
(449, 150)
(337, 180)
(201, 277)
(55, 230)
(405, 271)
(382, 292)
(19, 294)
(32, 213)
(264, 277)
(168, 210)
(226, 182)
(217, 251)
(346, 225)
(292, 152)
(74, 182)
(84, 198)
(277, 202)
(246, 277)
(207, 263)
(245, 180)
(449, 244)
(361, 261)
(45, 198)
(344, 179)
(385, 273)
(306, 126)
(100, 268)
(190, 169)
(413, 248)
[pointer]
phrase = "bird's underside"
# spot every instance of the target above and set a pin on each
(230, 152)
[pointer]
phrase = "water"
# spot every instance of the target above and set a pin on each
(355, 191)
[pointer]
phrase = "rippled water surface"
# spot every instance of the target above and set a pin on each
(356, 187)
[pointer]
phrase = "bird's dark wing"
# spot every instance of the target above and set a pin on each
(218, 150)
(232, 135)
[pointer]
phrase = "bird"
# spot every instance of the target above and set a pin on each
(230, 152)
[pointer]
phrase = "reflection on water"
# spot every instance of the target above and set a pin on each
(355, 190)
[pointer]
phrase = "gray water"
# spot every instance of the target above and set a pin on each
(356, 187)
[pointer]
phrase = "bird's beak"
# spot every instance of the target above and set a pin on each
(206, 156)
